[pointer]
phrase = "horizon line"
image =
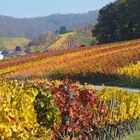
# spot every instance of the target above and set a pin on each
(74, 13)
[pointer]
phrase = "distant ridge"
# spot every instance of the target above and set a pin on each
(31, 27)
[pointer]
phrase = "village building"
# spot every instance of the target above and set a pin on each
(1, 56)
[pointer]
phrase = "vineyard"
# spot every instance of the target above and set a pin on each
(34, 105)
(66, 41)
(91, 63)
(69, 75)
(133, 70)
(65, 110)
(53, 42)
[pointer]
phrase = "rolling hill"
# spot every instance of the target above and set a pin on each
(66, 41)
(11, 43)
(31, 27)
(107, 63)
(62, 41)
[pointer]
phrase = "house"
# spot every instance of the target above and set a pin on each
(28, 51)
(11, 54)
(1, 56)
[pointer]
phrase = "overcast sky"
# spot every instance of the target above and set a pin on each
(35, 8)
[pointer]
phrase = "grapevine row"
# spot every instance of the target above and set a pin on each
(63, 110)
(101, 61)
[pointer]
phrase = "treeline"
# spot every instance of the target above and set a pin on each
(118, 21)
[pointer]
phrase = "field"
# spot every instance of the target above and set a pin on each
(84, 38)
(97, 64)
(37, 106)
(69, 76)
(11, 43)
(135, 136)
(66, 41)
(61, 41)
(42, 109)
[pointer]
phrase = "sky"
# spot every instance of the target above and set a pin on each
(39, 8)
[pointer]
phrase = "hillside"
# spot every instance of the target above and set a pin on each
(96, 64)
(66, 41)
(31, 27)
(36, 94)
(11, 43)
(69, 40)
(70, 76)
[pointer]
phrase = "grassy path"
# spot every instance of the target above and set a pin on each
(135, 136)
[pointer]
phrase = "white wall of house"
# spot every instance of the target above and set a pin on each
(1, 56)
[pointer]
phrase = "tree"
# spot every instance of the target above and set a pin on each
(18, 49)
(62, 30)
(118, 21)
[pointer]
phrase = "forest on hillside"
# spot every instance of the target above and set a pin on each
(32, 27)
